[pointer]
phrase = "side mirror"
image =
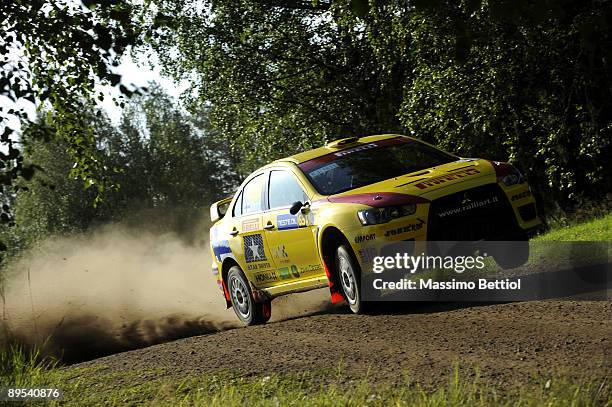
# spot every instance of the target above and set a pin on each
(218, 209)
(295, 207)
(299, 205)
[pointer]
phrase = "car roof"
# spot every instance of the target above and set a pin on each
(334, 146)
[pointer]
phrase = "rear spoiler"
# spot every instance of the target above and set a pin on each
(218, 209)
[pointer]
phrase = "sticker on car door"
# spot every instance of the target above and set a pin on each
(254, 248)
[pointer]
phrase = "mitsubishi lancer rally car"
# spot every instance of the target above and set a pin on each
(318, 218)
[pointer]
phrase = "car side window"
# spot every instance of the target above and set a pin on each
(238, 206)
(251, 195)
(284, 190)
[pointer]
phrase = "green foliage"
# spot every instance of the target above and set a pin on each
(164, 163)
(55, 52)
(527, 88)
(528, 83)
(166, 158)
(20, 368)
(599, 229)
(169, 166)
(53, 201)
(277, 79)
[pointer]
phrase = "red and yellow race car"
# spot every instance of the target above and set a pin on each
(318, 218)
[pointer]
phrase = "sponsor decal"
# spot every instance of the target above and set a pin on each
(254, 248)
(287, 221)
(323, 170)
(468, 205)
(310, 268)
(279, 252)
(301, 220)
(288, 272)
(306, 219)
(284, 273)
(521, 195)
(266, 276)
(316, 163)
(250, 225)
(367, 254)
(447, 177)
(413, 227)
(365, 238)
(221, 248)
(259, 266)
(355, 149)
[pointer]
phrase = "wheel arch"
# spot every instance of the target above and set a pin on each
(331, 238)
(228, 263)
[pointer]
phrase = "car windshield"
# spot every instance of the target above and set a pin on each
(370, 163)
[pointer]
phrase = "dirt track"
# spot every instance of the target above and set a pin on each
(509, 343)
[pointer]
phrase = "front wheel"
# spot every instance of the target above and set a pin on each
(246, 309)
(348, 274)
(514, 253)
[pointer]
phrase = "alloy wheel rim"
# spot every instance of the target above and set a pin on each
(240, 297)
(348, 281)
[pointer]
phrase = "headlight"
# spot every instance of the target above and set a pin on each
(512, 179)
(375, 216)
(507, 174)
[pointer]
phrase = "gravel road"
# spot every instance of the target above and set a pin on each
(508, 343)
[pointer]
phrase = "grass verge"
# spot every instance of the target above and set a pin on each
(88, 387)
(592, 230)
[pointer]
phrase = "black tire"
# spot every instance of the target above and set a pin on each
(512, 255)
(246, 309)
(348, 274)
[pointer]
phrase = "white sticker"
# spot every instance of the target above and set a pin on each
(323, 170)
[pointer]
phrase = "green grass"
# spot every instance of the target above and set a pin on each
(97, 386)
(89, 387)
(595, 229)
(21, 368)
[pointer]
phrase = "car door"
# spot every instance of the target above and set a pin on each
(246, 234)
(291, 238)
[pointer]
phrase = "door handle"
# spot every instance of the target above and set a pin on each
(234, 232)
(269, 226)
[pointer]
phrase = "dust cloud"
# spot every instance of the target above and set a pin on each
(120, 288)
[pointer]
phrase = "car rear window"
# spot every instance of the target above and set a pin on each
(370, 163)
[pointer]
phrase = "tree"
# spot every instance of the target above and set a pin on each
(279, 79)
(52, 201)
(168, 166)
(167, 158)
(526, 82)
(54, 52)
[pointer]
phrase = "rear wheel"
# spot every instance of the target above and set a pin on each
(246, 309)
(349, 276)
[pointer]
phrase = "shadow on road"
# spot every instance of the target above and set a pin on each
(590, 282)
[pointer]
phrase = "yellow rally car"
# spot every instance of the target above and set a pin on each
(318, 218)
